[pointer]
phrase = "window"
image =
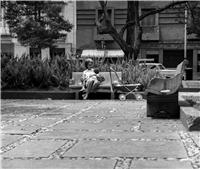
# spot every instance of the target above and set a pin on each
(149, 20)
(198, 63)
(155, 57)
(57, 52)
(100, 37)
(35, 52)
(103, 23)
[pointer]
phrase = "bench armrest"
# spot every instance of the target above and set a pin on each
(71, 81)
(155, 86)
(164, 86)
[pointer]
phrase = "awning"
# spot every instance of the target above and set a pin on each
(115, 53)
(102, 53)
(92, 53)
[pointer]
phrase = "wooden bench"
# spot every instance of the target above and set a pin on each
(162, 94)
(110, 77)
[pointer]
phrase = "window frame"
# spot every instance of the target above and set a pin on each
(105, 37)
(156, 18)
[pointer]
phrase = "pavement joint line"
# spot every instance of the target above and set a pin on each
(103, 139)
(27, 125)
(63, 149)
(49, 118)
(101, 158)
(192, 149)
(145, 122)
(100, 121)
(123, 163)
(136, 126)
(28, 137)
(108, 130)
(113, 110)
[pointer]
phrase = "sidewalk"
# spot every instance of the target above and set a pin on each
(94, 134)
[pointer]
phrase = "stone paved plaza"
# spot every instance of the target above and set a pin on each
(92, 134)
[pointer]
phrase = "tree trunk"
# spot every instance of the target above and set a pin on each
(134, 32)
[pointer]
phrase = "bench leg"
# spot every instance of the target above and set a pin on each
(77, 95)
(112, 95)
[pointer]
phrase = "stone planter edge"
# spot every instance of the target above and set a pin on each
(189, 116)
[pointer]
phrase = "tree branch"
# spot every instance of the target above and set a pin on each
(158, 10)
(106, 29)
(98, 24)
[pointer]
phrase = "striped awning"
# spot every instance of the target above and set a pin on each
(92, 53)
(102, 53)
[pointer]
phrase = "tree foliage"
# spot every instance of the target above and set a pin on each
(36, 23)
(194, 25)
(130, 46)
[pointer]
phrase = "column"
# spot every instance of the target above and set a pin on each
(195, 53)
(143, 53)
(45, 53)
(70, 14)
(75, 24)
(160, 59)
(2, 30)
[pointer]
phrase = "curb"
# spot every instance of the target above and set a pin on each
(70, 95)
(37, 95)
(187, 89)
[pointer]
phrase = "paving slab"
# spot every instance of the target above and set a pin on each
(118, 119)
(57, 115)
(38, 122)
(160, 164)
(173, 149)
(42, 148)
(8, 139)
(13, 118)
(30, 109)
(19, 129)
(115, 113)
(81, 119)
(61, 164)
(107, 129)
(108, 135)
(162, 127)
(92, 126)
(68, 110)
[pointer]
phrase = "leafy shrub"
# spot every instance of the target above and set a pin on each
(26, 73)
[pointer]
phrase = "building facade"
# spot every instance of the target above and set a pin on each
(12, 47)
(162, 39)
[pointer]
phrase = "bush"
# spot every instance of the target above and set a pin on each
(25, 73)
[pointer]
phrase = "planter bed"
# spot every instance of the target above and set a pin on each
(190, 86)
(38, 95)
